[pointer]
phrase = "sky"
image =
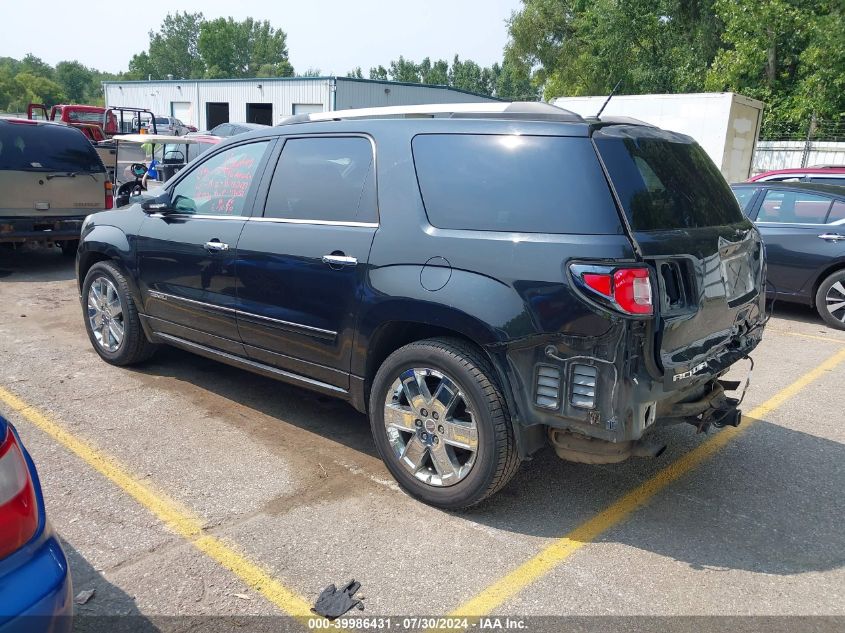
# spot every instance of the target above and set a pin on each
(333, 36)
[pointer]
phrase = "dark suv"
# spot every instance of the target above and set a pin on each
(482, 279)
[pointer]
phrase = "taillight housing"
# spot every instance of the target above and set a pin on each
(18, 505)
(626, 289)
(109, 190)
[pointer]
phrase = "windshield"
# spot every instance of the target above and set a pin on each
(665, 180)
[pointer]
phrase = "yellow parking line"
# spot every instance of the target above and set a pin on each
(177, 518)
(827, 339)
(511, 584)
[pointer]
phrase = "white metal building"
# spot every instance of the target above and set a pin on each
(209, 102)
(725, 124)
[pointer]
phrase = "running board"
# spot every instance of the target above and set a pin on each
(251, 365)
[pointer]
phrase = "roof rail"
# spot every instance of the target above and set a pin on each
(521, 110)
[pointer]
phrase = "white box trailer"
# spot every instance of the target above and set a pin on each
(725, 124)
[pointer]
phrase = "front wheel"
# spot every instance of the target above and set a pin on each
(830, 300)
(111, 318)
(441, 424)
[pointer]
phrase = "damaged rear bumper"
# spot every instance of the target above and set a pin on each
(604, 389)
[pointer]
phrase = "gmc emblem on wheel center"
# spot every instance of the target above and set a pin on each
(690, 373)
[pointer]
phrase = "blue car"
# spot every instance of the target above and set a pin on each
(35, 585)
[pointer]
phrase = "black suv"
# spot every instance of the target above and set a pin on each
(481, 279)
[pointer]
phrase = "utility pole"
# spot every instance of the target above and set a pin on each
(807, 144)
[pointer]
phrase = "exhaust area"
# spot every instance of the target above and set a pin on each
(587, 450)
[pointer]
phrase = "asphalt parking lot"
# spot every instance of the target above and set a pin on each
(185, 487)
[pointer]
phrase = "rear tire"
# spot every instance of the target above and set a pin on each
(830, 300)
(477, 454)
(111, 317)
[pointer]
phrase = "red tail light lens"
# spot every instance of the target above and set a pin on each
(632, 290)
(18, 507)
(628, 290)
(109, 201)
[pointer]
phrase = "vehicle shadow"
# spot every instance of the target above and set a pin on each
(32, 262)
(110, 609)
(797, 312)
(769, 502)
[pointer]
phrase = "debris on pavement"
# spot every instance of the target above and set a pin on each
(84, 596)
(333, 603)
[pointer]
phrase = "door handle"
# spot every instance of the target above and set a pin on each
(339, 260)
(216, 245)
(832, 237)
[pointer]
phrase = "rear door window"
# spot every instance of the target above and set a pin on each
(793, 207)
(837, 212)
(324, 179)
(665, 180)
(514, 183)
(47, 148)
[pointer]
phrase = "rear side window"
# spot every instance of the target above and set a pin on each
(793, 207)
(324, 179)
(665, 180)
(744, 196)
(48, 148)
(513, 183)
(827, 181)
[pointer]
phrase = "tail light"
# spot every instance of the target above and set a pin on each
(627, 290)
(109, 189)
(18, 507)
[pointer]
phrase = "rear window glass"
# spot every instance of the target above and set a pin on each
(665, 180)
(162, 120)
(513, 183)
(79, 116)
(47, 148)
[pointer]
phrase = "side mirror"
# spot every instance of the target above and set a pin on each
(160, 204)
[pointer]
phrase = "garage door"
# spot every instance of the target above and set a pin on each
(307, 108)
(182, 110)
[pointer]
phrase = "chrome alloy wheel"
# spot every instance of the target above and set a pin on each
(835, 301)
(431, 427)
(105, 314)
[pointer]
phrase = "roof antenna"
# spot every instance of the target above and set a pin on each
(609, 97)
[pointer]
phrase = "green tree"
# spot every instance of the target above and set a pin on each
(467, 75)
(436, 73)
(584, 47)
(513, 80)
(788, 53)
(243, 49)
(356, 73)
(35, 89)
(35, 66)
(404, 70)
(75, 80)
(173, 50)
(378, 72)
(820, 88)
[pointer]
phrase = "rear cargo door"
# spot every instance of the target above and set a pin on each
(707, 257)
(48, 170)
